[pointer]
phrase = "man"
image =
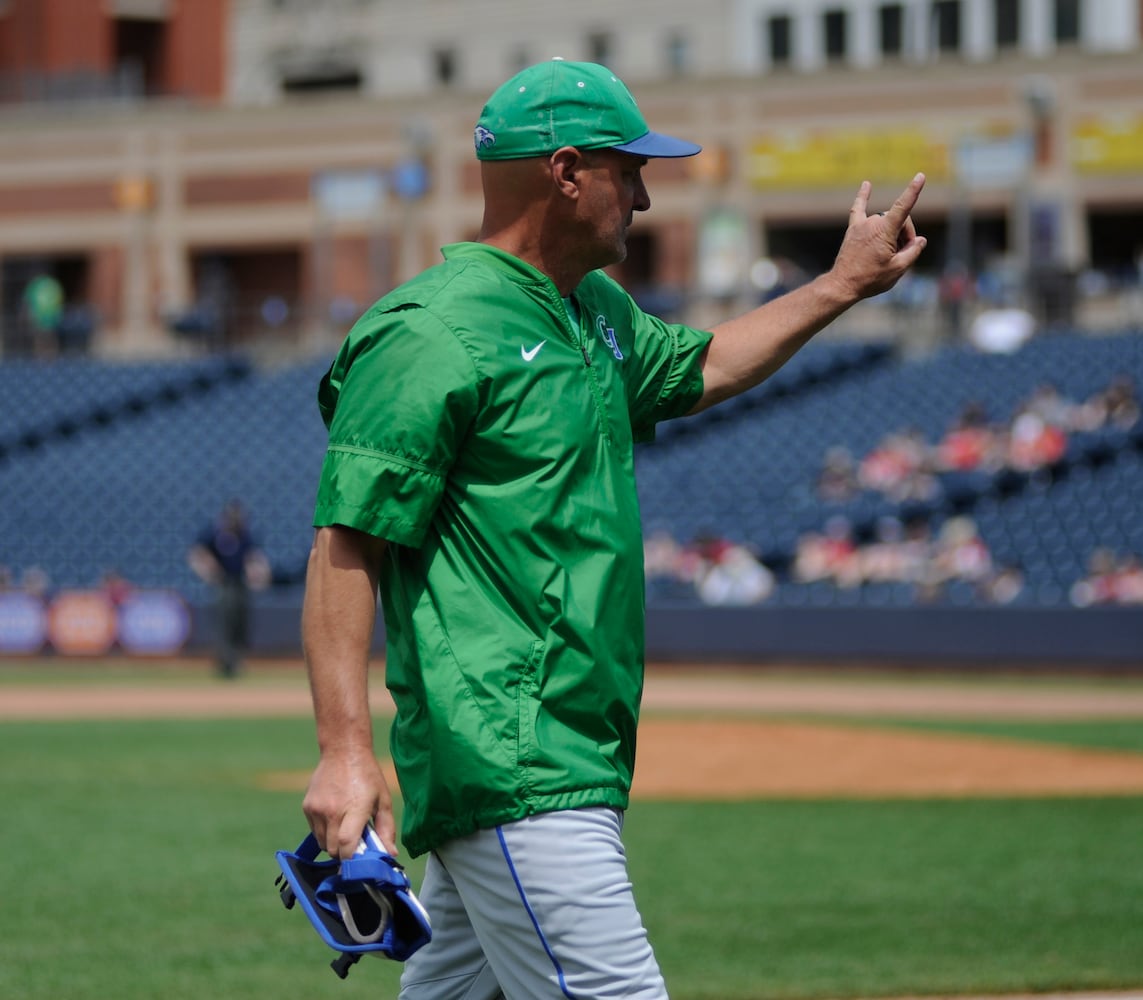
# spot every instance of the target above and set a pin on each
(44, 304)
(480, 471)
(226, 556)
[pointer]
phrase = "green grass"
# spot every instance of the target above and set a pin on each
(138, 861)
(112, 671)
(830, 899)
(1104, 734)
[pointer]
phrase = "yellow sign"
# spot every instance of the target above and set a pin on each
(841, 158)
(133, 193)
(1108, 144)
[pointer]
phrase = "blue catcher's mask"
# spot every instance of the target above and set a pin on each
(360, 905)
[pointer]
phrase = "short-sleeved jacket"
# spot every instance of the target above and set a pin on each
(490, 442)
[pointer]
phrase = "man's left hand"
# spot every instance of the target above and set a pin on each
(878, 249)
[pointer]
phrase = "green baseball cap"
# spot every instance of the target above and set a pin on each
(559, 103)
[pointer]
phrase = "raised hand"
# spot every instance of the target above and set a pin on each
(878, 249)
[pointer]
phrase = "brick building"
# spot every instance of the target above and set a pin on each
(256, 171)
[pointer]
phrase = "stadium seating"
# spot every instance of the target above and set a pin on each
(132, 490)
(751, 477)
(46, 399)
(119, 466)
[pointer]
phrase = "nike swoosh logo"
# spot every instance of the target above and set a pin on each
(529, 355)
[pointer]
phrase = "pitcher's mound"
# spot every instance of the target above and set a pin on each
(741, 759)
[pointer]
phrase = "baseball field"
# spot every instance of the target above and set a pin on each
(795, 833)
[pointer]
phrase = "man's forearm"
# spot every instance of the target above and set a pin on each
(750, 348)
(338, 617)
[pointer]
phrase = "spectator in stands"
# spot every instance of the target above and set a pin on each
(971, 443)
(43, 307)
(1034, 442)
(900, 467)
(660, 555)
(1051, 406)
(1122, 401)
(1097, 586)
(960, 553)
(1110, 579)
(893, 556)
(1129, 580)
(1003, 586)
(837, 481)
(670, 568)
(732, 575)
(954, 291)
(1116, 406)
(918, 545)
(886, 467)
(830, 554)
(227, 556)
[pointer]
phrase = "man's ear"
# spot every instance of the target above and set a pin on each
(565, 165)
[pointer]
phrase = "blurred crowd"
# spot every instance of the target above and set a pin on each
(36, 582)
(905, 466)
(930, 557)
(910, 552)
(1111, 578)
(717, 571)
(721, 572)
(930, 561)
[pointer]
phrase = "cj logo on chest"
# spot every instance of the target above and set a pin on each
(607, 335)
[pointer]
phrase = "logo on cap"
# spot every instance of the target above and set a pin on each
(482, 137)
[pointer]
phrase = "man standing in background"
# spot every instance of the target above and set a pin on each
(227, 557)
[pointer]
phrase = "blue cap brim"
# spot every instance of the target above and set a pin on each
(653, 144)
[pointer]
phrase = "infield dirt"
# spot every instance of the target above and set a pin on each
(713, 734)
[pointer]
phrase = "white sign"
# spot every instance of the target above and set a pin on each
(154, 622)
(992, 162)
(349, 194)
(23, 623)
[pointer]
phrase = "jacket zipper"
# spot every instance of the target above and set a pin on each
(580, 338)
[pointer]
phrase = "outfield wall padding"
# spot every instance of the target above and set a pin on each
(1099, 637)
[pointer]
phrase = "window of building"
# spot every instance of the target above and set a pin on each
(946, 25)
(322, 77)
(779, 39)
(1067, 21)
(1007, 24)
(678, 53)
(444, 67)
(891, 28)
(599, 47)
(140, 51)
(248, 293)
(834, 25)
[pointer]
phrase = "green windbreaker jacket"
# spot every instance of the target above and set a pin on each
(490, 441)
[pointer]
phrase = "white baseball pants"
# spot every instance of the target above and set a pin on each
(539, 909)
